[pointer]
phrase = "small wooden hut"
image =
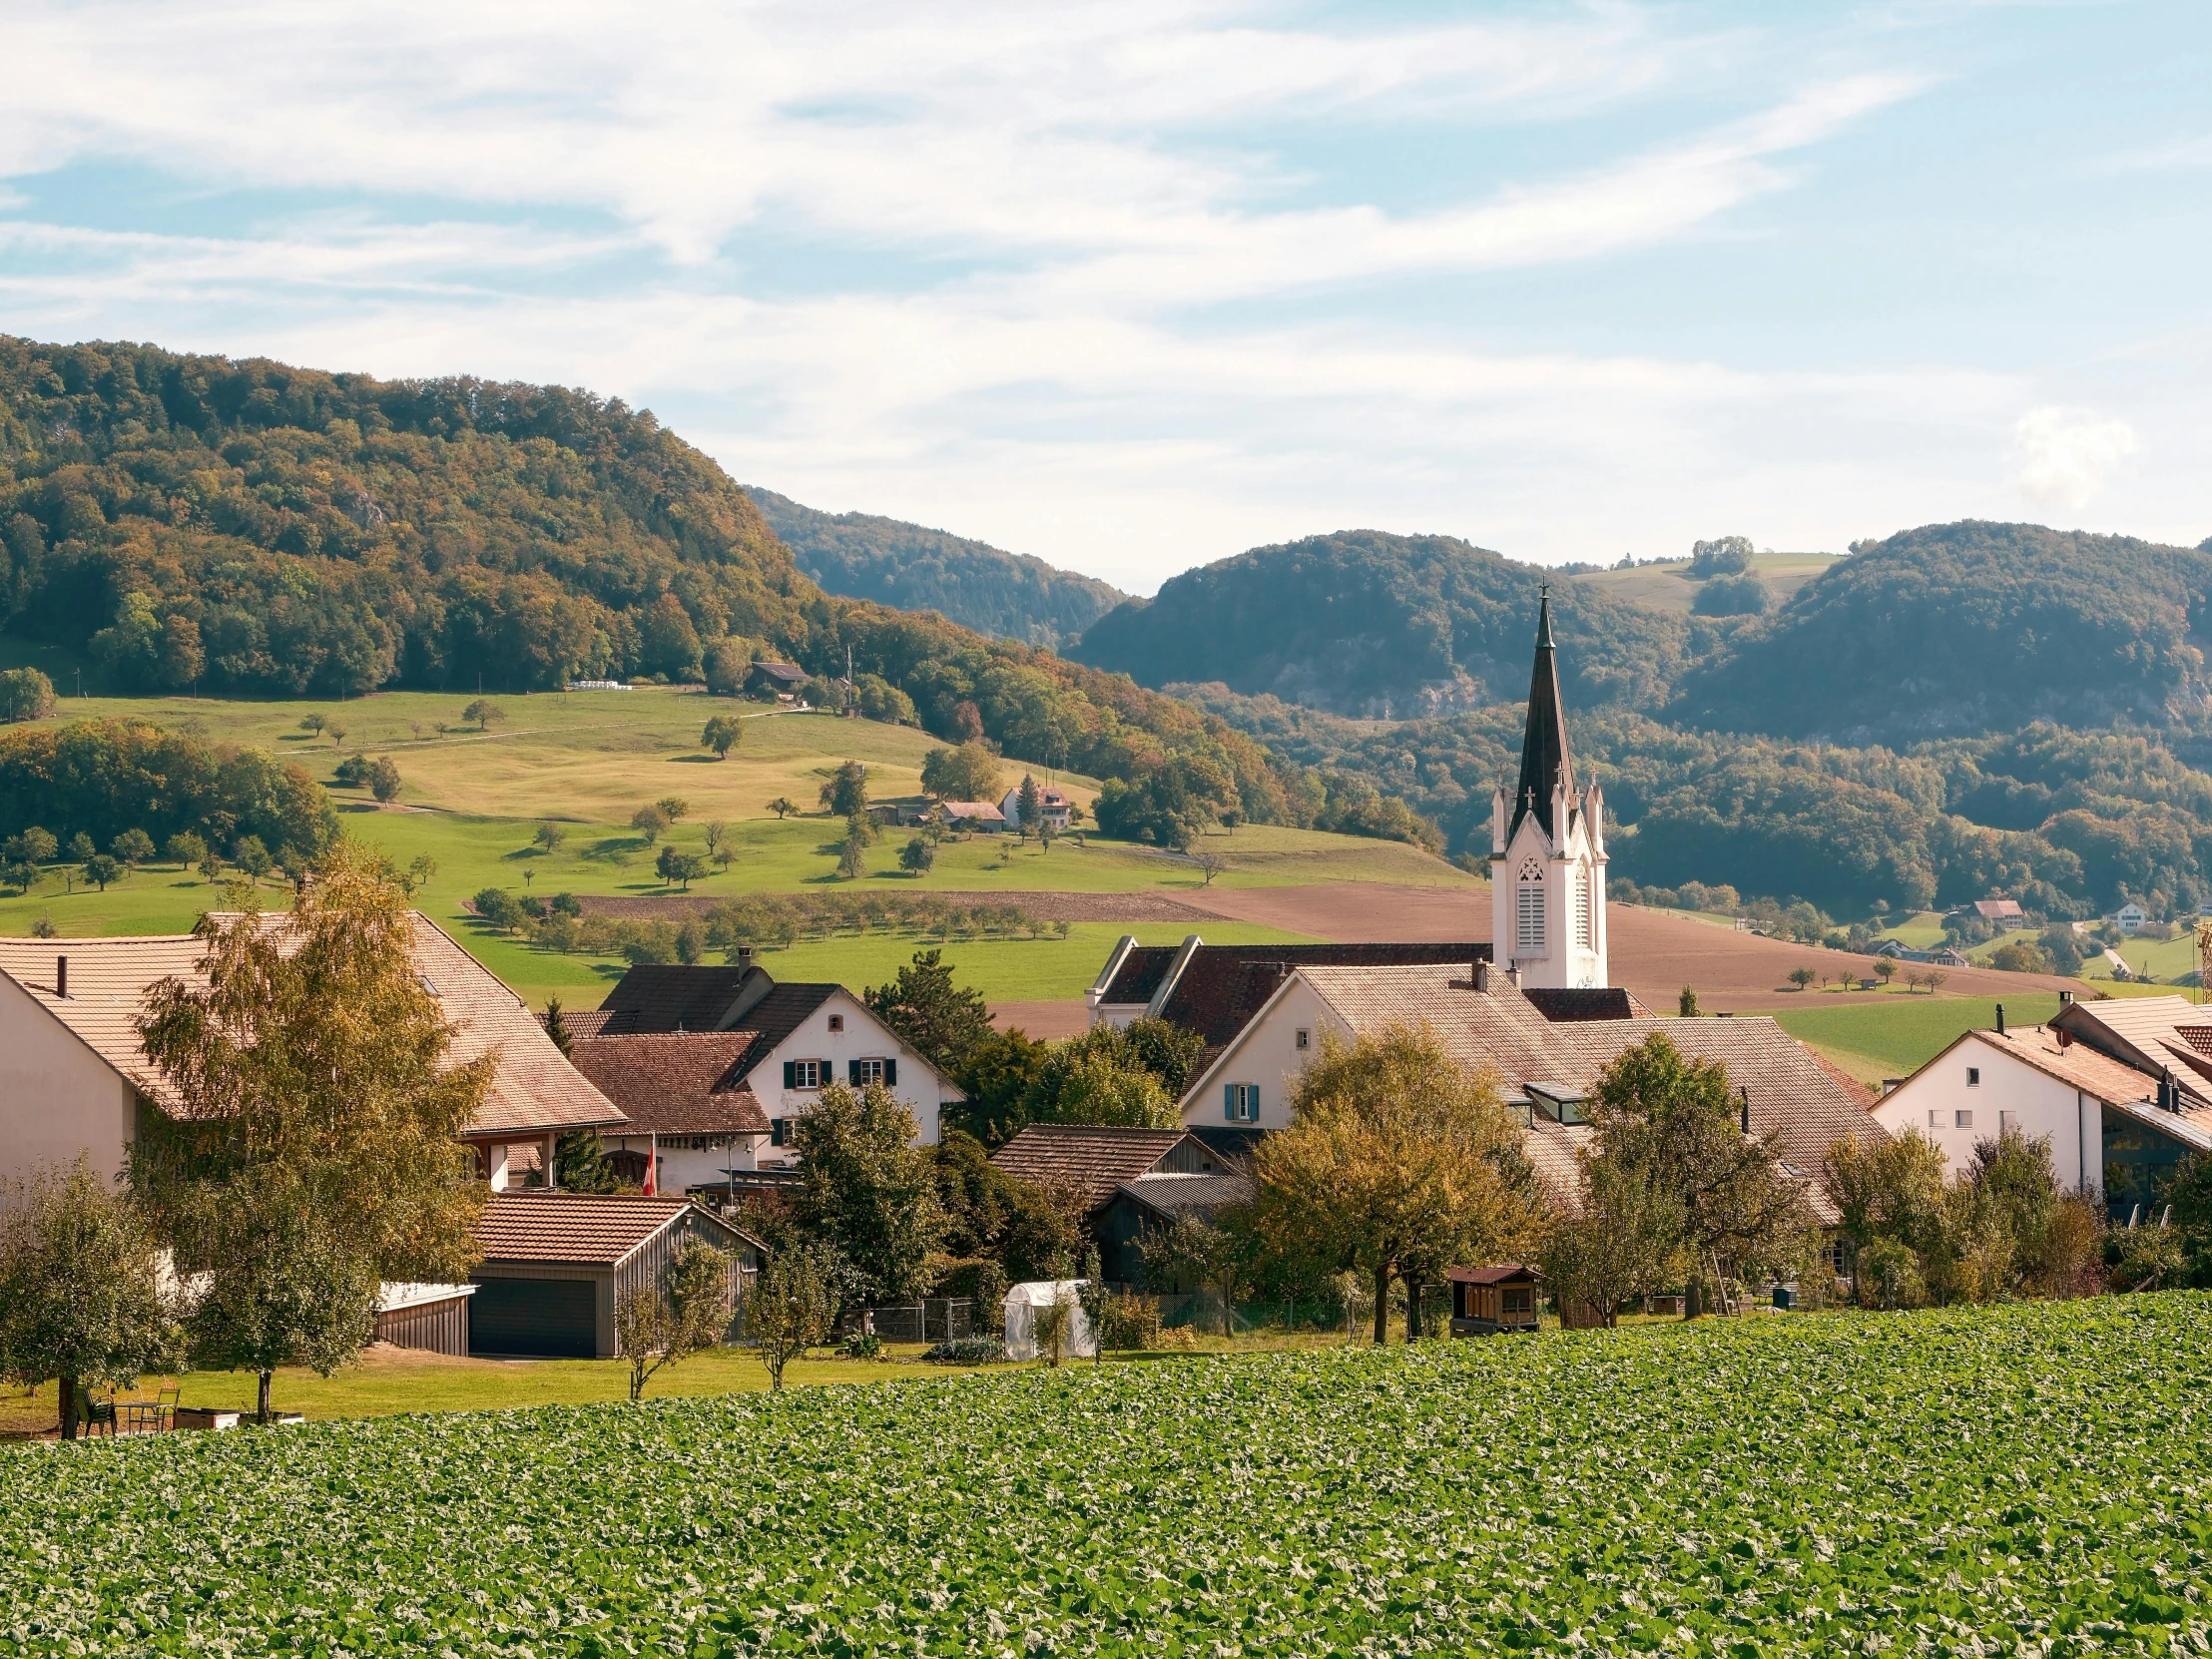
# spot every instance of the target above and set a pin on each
(1486, 1301)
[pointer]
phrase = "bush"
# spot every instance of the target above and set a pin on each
(968, 1351)
(25, 693)
(863, 1345)
(1130, 1321)
(499, 907)
(1743, 595)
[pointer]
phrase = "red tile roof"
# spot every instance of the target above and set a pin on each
(1490, 1275)
(1092, 1160)
(675, 1084)
(589, 1229)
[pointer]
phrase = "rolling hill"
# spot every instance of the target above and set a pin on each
(908, 567)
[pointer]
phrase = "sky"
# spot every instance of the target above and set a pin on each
(1134, 285)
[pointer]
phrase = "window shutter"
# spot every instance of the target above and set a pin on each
(1252, 1103)
(790, 1079)
(853, 1072)
(1229, 1102)
(891, 1074)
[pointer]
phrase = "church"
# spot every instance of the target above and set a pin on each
(1547, 848)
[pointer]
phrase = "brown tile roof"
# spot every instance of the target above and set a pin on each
(1091, 1160)
(674, 1084)
(589, 1229)
(1173, 1194)
(583, 1022)
(2074, 1064)
(1562, 1006)
(533, 1090)
(670, 996)
(1502, 1032)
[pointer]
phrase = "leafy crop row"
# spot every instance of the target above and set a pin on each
(1965, 1482)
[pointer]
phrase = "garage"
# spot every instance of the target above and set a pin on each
(539, 1318)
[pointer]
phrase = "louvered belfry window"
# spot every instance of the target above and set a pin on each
(1528, 931)
(1585, 910)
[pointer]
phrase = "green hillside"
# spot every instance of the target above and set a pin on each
(910, 568)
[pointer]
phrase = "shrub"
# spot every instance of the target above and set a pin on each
(968, 1351)
(25, 693)
(863, 1345)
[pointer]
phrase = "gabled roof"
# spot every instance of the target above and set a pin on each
(672, 996)
(685, 1084)
(787, 672)
(532, 1090)
(1997, 909)
(1564, 1005)
(1544, 758)
(1217, 988)
(1171, 1194)
(1499, 1030)
(1503, 1273)
(2115, 1083)
(972, 808)
(1091, 1160)
(587, 1229)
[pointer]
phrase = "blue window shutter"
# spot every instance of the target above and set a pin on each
(790, 1079)
(1252, 1103)
(891, 1074)
(1229, 1102)
(853, 1072)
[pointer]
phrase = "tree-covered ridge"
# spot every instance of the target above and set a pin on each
(1008, 595)
(1968, 628)
(1363, 621)
(250, 527)
(2071, 823)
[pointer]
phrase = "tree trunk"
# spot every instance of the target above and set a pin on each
(1382, 1303)
(68, 1386)
(260, 1411)
(1413, 1310)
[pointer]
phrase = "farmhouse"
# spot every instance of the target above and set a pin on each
(1054, 807)
(780, 680)
(74, 1076)
(556, 1265)
(1127, 1181)
(2121, 1089)
(973, 815)
(720, 1060)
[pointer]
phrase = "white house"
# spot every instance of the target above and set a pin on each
(1547, 848)
(2129, 917)
(2119, 1089)
(718, 1062)
(1054, 807)
(74, 1075)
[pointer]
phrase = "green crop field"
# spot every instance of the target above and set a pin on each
(2022, 1479)
(1897, 1035)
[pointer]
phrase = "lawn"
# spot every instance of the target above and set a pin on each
(1970, 1480)
(2162, 959)
(1897, 1035)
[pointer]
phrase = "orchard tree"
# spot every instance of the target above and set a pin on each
(384, 779)
(788, 1311)
(655, 1327)
(134, 847)
(549, 837)
(650, 821)
(782, 806)
(723, 733)
(483, 711)
(80, 1290)
(309, 1142)
(845, 794)
(184, 849)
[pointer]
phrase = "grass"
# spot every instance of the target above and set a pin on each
(2166, 959)
(1964, 1481)
(1897, 1035)
(1666, 588)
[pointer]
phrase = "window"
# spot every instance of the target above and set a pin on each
(1973, 1078)
(1935, 1118)
(1240, 1102)
(805, 1074)
(1585, 910)
(1529, 908)
(1963, 1120)
(861, 1074)
(1516, 1301)
(1305, 1038)
(837, 1022)
(2009, 1123)
(779, 1132)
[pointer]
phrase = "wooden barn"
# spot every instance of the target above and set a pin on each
(434, 1317)
(556, 1263)
(1486, 1301)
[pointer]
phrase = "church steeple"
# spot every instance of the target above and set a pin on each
(1544, 763)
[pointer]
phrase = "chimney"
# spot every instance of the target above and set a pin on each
(2065, 999)
(61, 975)
(745, 956)
(1512, 976)
(2000, 1019)
(1481, 974)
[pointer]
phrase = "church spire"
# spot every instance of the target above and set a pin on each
(1544, 761)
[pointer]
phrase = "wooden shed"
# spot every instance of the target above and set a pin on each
(434, 1317)
(556, 1263)
(1486, 1301)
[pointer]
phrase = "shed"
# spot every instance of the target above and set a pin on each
(1022, 1303)
(1155, 1202)
(775, 678)
(555, 1263)
(432, 1318)
(1486, 1301)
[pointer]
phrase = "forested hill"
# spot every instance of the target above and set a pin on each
(1961, 628)
(1011, 595)
(1363, 621)
(246, 527)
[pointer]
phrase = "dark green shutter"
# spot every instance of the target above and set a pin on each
(891, 1074)
(790, 1074)
(853, 1072)
(1229, 1102)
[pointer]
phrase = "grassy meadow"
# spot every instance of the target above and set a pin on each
(472, 803)
(1667, 587)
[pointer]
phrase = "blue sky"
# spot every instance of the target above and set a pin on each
(1136, 285)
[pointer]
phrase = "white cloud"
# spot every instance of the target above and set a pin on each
(2067, 456)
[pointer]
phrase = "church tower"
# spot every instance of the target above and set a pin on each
(1547, 848)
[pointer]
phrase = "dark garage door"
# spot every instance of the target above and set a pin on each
(545, 1319)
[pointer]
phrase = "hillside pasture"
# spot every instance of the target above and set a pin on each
(1782, 1486)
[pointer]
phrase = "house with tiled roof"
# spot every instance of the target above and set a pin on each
(2121, 1089)
(712, 1065)
(1542, 1068)
(74, 1074)
(1129, 1181)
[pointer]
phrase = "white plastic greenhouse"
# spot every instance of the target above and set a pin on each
(1024, 1301)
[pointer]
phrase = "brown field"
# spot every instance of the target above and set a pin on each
(1045, 906)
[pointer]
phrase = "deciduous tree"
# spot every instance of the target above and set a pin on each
(789, 1312)
(657, 1327)
(866, 1188)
